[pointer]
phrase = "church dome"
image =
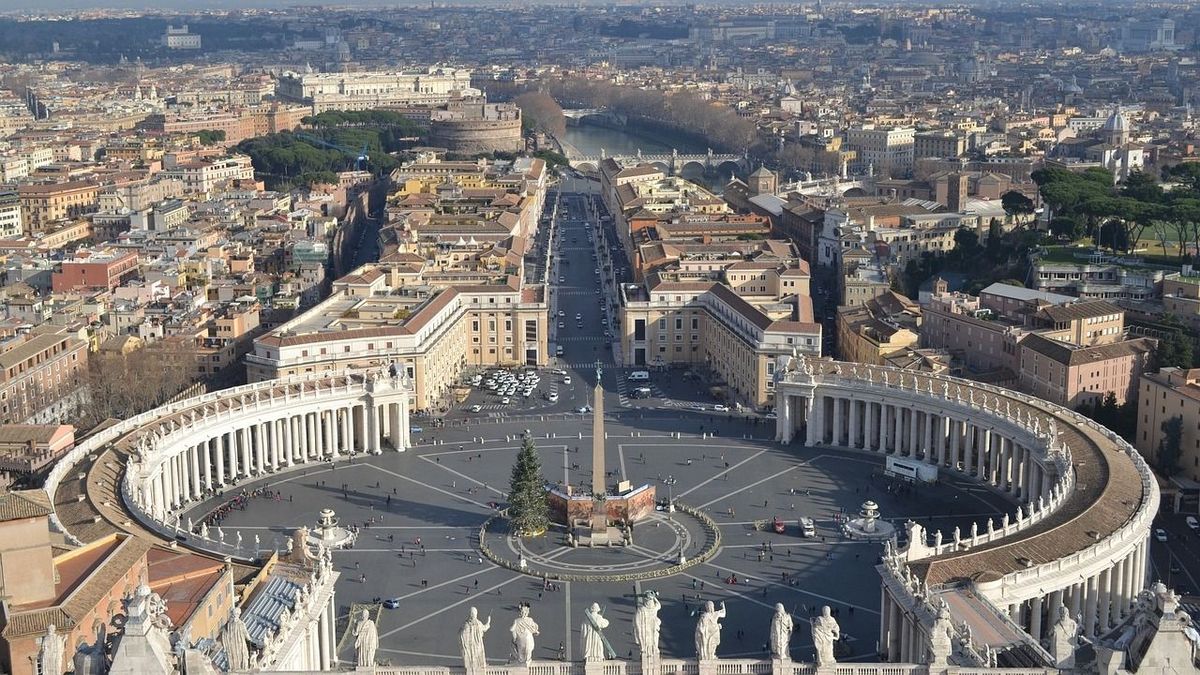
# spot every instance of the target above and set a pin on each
(1116, 122)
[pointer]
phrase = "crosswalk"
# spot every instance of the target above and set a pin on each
(624, 388)
(580, 338)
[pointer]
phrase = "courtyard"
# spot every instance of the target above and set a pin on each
(420, 514)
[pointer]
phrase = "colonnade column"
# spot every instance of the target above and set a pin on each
(855, 423)
(839, 405)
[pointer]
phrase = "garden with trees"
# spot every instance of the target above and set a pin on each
(1122, 217)
(332, 144)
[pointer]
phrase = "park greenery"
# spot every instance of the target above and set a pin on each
(1175, 346)
(1119, 216)
(287, 159)
(210, 136)
(528, 511)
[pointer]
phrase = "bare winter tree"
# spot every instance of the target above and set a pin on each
(123, 385)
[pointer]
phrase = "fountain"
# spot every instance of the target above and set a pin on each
(868, 525)
(328, 533)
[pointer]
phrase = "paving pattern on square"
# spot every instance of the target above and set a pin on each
(421, 511)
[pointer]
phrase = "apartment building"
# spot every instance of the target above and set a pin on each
(883, 151)
(941, 144)
(1181, 297)
(1171, 392)
(38, 372)
(27, 448)
(44, 204)
(878, 328)
(201, 176)
(11, 225)
(677, 319)
(380, 315)
(95, 270)
(1073, 375)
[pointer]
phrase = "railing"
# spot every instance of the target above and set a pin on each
(722, 667)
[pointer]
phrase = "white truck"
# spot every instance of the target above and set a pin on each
(911, 470)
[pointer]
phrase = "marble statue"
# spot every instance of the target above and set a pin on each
(91, 659)
(708, 631)
(595, 646)
(471, 642)
(941, 636)
(234, 638)
(825, 632)
(646, 624)
(781, 633)
(204, 530)
(523, 630)
(50, 654)
(1063, 639)
(366, 640)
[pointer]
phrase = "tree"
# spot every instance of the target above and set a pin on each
(122, 386)
(540, 112)
(211, 136)
(1016, 204)
(528, 511)
(966, 243)
(1170, 447)
(1175, 346)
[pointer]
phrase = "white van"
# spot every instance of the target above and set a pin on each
(639, 376)
(807, 528)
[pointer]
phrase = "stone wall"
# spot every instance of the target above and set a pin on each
(471, 137)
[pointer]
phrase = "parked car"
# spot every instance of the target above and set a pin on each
(392, 603)
(476, 408)
(1193, 523)
(414, 429)
(1160, 534)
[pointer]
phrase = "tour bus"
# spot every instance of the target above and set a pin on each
(639, 376)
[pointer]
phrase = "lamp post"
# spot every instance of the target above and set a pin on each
(670, 481)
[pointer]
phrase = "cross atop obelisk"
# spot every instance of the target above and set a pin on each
(599, 482)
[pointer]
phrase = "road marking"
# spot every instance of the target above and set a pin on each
(468, 598)
(435, 489)
(721, 471)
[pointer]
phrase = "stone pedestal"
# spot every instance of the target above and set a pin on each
(650, 665)
(709, 666)
(595, 667)
(781, 667)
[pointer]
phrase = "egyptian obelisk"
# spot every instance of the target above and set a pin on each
(599, 482)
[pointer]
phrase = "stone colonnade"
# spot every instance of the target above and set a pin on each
(226, 441)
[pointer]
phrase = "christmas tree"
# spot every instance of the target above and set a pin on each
(527, 508)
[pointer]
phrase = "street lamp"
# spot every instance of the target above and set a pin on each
(670, 481)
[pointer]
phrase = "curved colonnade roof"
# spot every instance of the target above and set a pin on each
(1108, 493)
